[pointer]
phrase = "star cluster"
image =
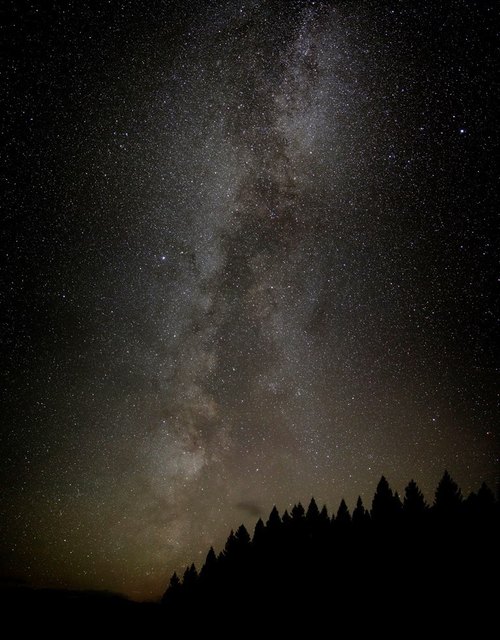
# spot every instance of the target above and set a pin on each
(249, 260)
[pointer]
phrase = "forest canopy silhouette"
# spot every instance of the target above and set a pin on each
(401, 554)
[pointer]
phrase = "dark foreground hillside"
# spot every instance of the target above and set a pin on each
(66, 614)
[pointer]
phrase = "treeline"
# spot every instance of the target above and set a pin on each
(398, 555)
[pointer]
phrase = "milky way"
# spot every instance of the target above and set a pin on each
(250, 260)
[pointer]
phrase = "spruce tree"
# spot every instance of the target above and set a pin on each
(359, 513)
(343, 516)
(414, 505)
(448, 497)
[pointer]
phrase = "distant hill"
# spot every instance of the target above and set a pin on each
(66, 613)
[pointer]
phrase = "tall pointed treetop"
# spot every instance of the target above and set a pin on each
(448, 495)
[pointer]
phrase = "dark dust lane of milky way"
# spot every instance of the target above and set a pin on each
(250, 259)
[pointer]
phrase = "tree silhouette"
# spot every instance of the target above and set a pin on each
(398, 505)
(359, 515)
(448, 497)
(299, 524)
(175, 583)
(274, 521)
(322, 528)
(241, 542)
(312, 514)
(210, 565)
(259, 533)
(343, 518)
(481, 505)
(189, 581)
(486, 498)
(231, 545)
(242, 537)
(414, 505)
(298, 512)
(323, 516)
(286, 519)
(385, 505)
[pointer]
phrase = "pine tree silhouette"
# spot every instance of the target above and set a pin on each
(230, 546)
(175, 583)
(322, 530)
(190, 581)
(259, 533)
(299, 525)
(343, 518)
(298, 512)
(385, 506)
(274, 521)
(210, 566)
(323, 516)
(286, 519)
(486, 498)
(398, 505)
(359, 515)
(242, 537)
(241, 541)
(481, 505)
(448, 497)
(312, 513)
(172, 596)
(414, 505)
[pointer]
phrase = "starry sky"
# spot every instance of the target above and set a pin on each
(249, 258)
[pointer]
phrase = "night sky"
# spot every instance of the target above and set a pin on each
(249, 259)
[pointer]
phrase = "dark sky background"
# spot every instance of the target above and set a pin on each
(249, 259)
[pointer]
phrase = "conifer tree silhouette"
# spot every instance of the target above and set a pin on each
(414, 505)
(175, 583)
(259, 533)
(398, 505)
(384, 505)
(242, 536)
(323, 516)
(486, 498)
(321, 530)
(286, 519)
(312, 519)
(298, 512)
(173, 594)
(274, 521)
(359, 515)
(189, 581)
(480, 506)
(241, 540)
(343, 518)
(312, 513)
(230, 546)
(210, 566)
(298, 525)
(448, 497)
